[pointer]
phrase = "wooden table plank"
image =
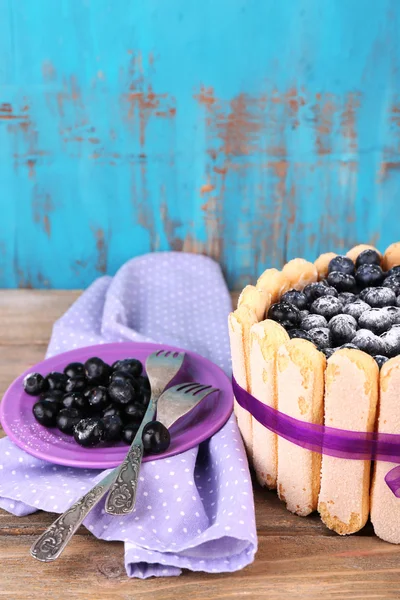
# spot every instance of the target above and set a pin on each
(297, 558)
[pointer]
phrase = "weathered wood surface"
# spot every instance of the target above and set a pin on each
(297, 558)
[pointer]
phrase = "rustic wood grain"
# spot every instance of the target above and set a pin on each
(297, 558)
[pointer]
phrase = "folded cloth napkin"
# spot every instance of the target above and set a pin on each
(194, 510)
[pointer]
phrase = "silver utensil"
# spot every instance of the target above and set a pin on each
(161, 368)
(52, 542)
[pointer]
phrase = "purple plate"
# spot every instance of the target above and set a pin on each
(52, 445)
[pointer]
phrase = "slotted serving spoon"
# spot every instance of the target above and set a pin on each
(52, 542)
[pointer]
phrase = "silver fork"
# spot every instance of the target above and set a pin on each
(161, 368)
(52, 542)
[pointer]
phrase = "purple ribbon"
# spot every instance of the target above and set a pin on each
(341, 443)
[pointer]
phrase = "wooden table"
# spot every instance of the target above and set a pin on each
(297, 558)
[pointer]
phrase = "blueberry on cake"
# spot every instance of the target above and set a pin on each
(321, 342)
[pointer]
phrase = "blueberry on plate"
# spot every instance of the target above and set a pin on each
(56, 381)
(328, 351)
(343, 329)
(393, 282)
(129, 432)
(98, 398)
(317, 290)
(379, 297)
(134, 412)
(369, 276)
(298, 299)
(347, 297)
(89, 432)
(343, 264)
(156, 438)
(52, 396)
(143, 396)
(391, 341)
(283, 312)
(368, 257)
(313, 321)
(143, 382)
(394, 271)
(45, 413)
(321, 337)
(370, 343)
(67, 418)
(75, 369)
(124, 376)
(380, 360)
(327, 306)
(34, 384)
(343, 282)
(112, 411)
(133, 366)
(97, 371)
(122, 392)
(394, 313)
(349, 346)
(304, 313)
(377, 320)
(75, 400)
(356, 308)
(398, 301)
(299, 333)
(75, 384)
(113, 427)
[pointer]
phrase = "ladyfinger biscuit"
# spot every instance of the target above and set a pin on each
(256, 298)
(300, 374)
(265, 339)
(322, 264)
(391, 258)
(274, 282)
(240, 322)
(300, 273)
(385, 507)
(354, 252)
(351, 397)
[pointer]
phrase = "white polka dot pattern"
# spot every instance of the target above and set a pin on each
(194, 510)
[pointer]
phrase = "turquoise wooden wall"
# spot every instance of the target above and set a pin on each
(250, 130)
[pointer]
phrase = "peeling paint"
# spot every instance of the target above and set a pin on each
(102, 251)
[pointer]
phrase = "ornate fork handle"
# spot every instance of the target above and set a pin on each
(122, 497)
(52, 542)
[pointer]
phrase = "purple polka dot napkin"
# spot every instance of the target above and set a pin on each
(195, 510)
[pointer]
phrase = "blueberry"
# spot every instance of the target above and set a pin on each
(299, 333)
(34, 384)
(286, 325)
(368, 257)
(67, 418)
(75, 400)
(89, 432)
(313, 321)
(377, 320)
(394, 271)
(392, 282)
(122, 392)
(97, 371)
(55, 396)
(379, 297)
(343, 329)
(134, 411)
(304, 313)
(364, 292)
(98, 398)
(327, 306)
(112, 411)
(380, 360)
(143, 382)
(347, 297)
(343, 282)
(129, 432)
(343, 264)
(129, 365)
(369, 276)
(328, 351)
(75, 384)
(298, 299)
(45, 413)
(369, 342)
(321, 337)
(123, 377)
(317, 290)
(349, 346)
(394, 314)
(356, 308)
(143, 396)
(283, 312)
(75, 369)
(398, 301)
(56, 381)
(113, 427)
(156, 438)
(391, 340)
